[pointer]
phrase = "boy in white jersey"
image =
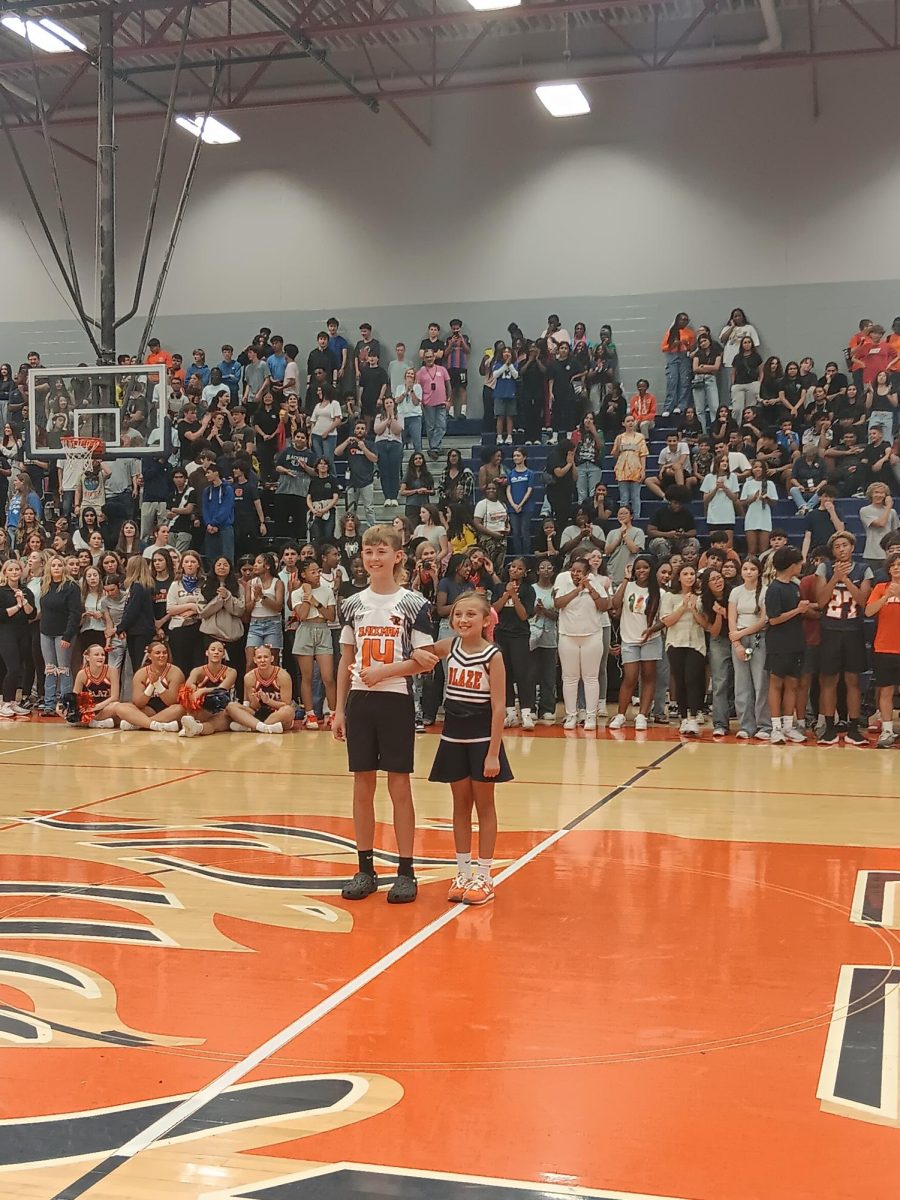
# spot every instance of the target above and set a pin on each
(382, 624)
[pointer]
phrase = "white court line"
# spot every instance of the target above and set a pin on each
(318, 1012)
(61, 742)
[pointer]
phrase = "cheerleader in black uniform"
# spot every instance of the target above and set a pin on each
(95, 692)
(206, 694)
(470, 756)
(268, 703)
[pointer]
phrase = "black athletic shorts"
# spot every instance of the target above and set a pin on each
(381, 731)
(887, 670)
(156, 704)
(784, 666)
(459, 377)
(811, 660)
(843, 650)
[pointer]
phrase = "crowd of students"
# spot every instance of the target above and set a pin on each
(190, 570)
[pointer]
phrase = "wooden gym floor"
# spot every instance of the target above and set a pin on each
(688, 986)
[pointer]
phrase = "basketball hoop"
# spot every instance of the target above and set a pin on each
(80, 451)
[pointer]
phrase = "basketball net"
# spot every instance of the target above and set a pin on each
(80, 450)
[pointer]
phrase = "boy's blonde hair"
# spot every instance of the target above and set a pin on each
(387, 535)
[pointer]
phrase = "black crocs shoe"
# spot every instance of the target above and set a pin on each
(361, 885)
(404, 891)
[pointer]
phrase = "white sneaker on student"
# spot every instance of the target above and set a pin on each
(777, 738)
(744, 736)
(590, 724)
(640, 722)
(570, 722)
(127, 725)
(527, 719)
(761, 735)
(793, 734)
(617, 722)
(511, 719)
(190, 726)
(234, 727)
(601, 709)
(691, 728)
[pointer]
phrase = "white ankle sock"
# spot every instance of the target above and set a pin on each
(484, 868)
(787, 722)
(464, 864)
(776, 722)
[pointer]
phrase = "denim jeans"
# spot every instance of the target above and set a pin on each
(589, 475)
(743, 395)
(803, 501)
(323, 447)
(219, 545)
(363, 500)
(721, 673)
(751, 689)
(390, 460)
(706, 399)
(520, 531)
(883, 421)
(630, 494)
(57, 677)
(678, 381)
(412, 433)
(435, 425)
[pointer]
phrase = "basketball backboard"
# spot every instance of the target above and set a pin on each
(125, 406)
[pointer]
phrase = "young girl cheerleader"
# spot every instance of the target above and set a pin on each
(154, 694)
(470, 756)
(206, 694)
(96, 692)
(267, 706)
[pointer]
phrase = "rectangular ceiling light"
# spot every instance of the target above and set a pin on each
(492, 5)
(213, 132)
(44, 34)
(563, 99)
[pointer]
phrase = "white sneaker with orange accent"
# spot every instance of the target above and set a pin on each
(458, 888)
(479, 891)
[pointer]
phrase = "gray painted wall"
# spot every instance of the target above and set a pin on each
(793, 320)
(697, 191)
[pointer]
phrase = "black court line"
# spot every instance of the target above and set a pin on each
(113, 1161)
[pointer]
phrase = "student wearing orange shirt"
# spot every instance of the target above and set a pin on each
(677, 344)
(156, 354)
(884, 603)
(642, 406)
(872, 355)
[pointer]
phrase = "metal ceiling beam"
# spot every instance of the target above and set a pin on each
(866, 23)
(748, 61)
(708, 8)
(254, 79)
(439, 20)
(302, 39)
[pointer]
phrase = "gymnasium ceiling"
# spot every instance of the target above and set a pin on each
(267, 53)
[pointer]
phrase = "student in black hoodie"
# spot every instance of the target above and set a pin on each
(60, 622)
(138, 621)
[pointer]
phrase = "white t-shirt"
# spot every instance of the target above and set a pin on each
(757, 514)
(668, 457)
(322, 416)
(633, 621)
(492, 514)
(732, 346)
(407, 407)
(744, 601)
(685, 632)
(323, 594)
(720, 510)
(384, 628)
(738, 461)
(579, 618)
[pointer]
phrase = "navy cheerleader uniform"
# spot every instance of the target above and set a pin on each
(466, 735)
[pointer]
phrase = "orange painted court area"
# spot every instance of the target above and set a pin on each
(642, 1011)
